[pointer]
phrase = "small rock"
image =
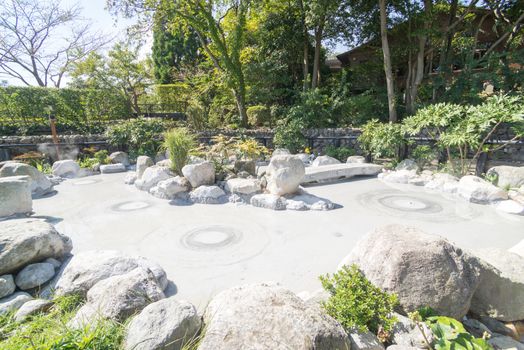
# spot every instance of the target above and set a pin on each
(324, 160)
(34, 275)
(475, 327)
(496, 326)
(505, 343)
(243, 186)
(400, 176)
(7, 285)
(142, 163)
(32, 307)
(268, 201)
(356, 159)
(406, 333)
(208, 195)
(130, 178)
(119, 158)
(13, 302)
(248, 166)
(407, 164)
(443, 182)
(163, 325)
(170, 188)
(66, 168)
(152, 176)
(112, 168)
(364, 341)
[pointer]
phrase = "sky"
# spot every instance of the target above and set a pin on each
(95, 11)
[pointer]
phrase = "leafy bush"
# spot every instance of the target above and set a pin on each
(423, 155)
(250, 149)
(50, 330)
(313, 110)
(179, 143)
(382, 139)
(341, 153)
(259, 115)
(137, 136)
(288, 134)
(359, 109)
(356, 303)
(102, 157)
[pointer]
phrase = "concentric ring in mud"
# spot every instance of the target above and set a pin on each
(417, 206)
(130, 206)
(211, 237)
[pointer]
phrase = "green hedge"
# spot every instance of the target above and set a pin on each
(25, 110)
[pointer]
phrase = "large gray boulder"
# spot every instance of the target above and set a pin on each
(325, 160)
(118, 297)
(507, 176)
(7, 285)
(152, 176)
(170, 188)
(266, 316)
(284, 175)
(15, 196)
(163, 325)
(208, 195)
(119, 158)
(34, 275)
(85, 269)
(477, 190)
(199, 174)
(500, 293)
(66, 168)
(25, 241)
(422, 269)
(39, 183)
(142, 163)
(13, 302)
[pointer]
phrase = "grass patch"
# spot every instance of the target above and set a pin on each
(49, 331)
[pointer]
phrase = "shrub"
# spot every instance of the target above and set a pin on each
(382, 139)
(179, 143)
(288, 134)
(341, 153)
(137, 136)
(359, 109)
(250, 149)
(102, 157)
(259, 115)
(423, 155)
(313, 110)
(356, 303)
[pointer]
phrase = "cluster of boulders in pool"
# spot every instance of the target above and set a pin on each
(483, 288)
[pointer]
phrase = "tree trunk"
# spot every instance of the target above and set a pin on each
(240, 98)
(305, 59)
(387, 62)
(316, 63)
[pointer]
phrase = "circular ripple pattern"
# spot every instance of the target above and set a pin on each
(130, 206)
(211, 238)
(417, 206)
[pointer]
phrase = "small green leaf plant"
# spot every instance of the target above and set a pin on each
(357, 304)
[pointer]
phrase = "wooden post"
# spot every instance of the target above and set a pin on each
(56, 141)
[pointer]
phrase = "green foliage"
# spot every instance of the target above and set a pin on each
(250, 149)
(313, 110)
(451, 335)
(137, 136)
(179, 143)
(382, 139)
(356, 303)
(102, 157)
(50, 330)
(359, 109)
(259, 115)
(341, 153)
(423, 155)
(288, 134)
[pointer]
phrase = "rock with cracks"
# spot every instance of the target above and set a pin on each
(163, 325)
(38, 182)
(266, 316)
(284, 175)
(422, 269)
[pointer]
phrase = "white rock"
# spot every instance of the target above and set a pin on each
(25, 241)
(507, 176)
(85, 269)
(151, 177)
(199, 174)
(510, 207)
(422, 269)
(34, 275)
(142, 163)
(356, 159)
(364, 341)
(516, 196)
(31, 308)
(166, 163)
(168, 189)
(266, 316)
(400, 176)
(477, 190)
(280, 152)
(130, 178)
(66, 168)
(443, 182)
(119, 158)
(208, 195)
(7, 285)
(340, 171)
(39, 183)
(407, 164)
(163, 325)
(325, 160)
(518, 248)
(15, 196)
(268, 201)
(306, 201)
(284, 175)
(112, 168)
(304, 157)
(243, 186)
(118, 297)
(13, 302)
(500, 293)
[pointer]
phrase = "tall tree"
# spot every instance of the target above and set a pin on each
(41, 40)
(390, 84)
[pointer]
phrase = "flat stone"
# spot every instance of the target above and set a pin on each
(15, 196)
(208, 195)
(32, 307)
(7, 285)
(112, 168)
(13, 302)
(268, 201)
(34, 275)
(340, 171)
(243, 186)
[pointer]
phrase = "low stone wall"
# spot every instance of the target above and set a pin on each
(317, 139)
